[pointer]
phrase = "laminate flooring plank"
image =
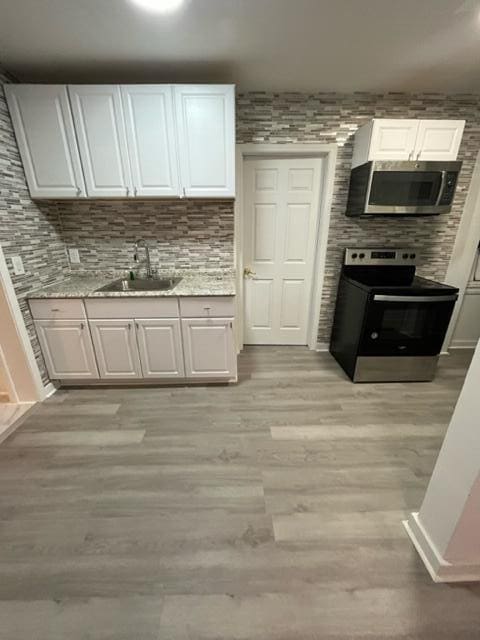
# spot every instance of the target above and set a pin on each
(267, 510)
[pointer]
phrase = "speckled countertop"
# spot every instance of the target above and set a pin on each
(192, 284)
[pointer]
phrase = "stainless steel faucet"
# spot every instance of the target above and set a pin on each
(143, 244)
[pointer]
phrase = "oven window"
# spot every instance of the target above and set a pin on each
(405, 328)
(405, 188)
(406, 322)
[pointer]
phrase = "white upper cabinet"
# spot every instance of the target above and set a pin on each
(438, 139)
(46, 139)
(152, 147)
(205, 117)
(99, 123)
(407, 139)
(122, 141)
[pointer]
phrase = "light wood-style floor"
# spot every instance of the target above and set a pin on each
(270, 510)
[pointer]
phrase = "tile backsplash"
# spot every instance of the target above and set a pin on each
(182, 235)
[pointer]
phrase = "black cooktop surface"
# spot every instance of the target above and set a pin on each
(377, 282)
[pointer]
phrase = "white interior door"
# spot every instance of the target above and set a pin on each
(151, 139)
(98, 116)
(160, 347)
(116, 348)
(281, 205)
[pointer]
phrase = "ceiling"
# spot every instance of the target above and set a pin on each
(265, 45)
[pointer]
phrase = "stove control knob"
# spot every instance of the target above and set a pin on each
(361, 255)
(404, 256)
(413, 255)
(354, 255)
(374, 335)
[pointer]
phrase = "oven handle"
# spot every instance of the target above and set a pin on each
(442, 188)
(383, 298)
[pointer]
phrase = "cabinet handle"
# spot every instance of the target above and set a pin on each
(231, 325)
(418, 155)
(136, 325)
(128, 191)
(135, 191)
(184, 194)
(129, 326)
(79, 191)
(82, 326)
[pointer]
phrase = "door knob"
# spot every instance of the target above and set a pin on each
(248, 273)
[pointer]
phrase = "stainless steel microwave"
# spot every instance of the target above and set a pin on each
(402, 188)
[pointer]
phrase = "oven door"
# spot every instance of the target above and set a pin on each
(404, 188)
(406, 325)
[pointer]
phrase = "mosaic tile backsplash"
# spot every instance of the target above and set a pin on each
(26, 229)
(182, 235)
(333, 118)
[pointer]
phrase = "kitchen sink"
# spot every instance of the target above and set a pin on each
(141, 284)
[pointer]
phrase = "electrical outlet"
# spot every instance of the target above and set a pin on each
(74, 256)
(18, 268)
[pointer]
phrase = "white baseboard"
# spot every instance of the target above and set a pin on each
(322, 346)
(439, 569)
(463, 344)
(49, 390)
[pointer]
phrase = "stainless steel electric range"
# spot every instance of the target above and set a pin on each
(389, 324)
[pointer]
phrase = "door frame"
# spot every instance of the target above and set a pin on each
(328, 154)
(23, 376)
(464, 252)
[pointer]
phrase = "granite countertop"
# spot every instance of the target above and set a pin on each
(192, 284)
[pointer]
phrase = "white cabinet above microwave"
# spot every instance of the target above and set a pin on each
(125, 141)
(407, 139)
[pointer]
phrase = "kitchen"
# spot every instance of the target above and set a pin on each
(165, 170)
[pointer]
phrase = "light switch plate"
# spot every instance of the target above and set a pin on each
(18, 268)
(74, 256)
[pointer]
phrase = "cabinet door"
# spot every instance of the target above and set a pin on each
(393, 139)
(151, 139)
(67, 349)
(44, 130)
(438, 139)
(116, 348)
(160, 347)
(206, 133)
(98, 116)
(209, 348)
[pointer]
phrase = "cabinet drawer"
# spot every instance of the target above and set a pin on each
(57, 309)
(207, 306)
(132, 308)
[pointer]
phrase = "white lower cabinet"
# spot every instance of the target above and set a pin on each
(116, 349)
(209, 348)
(160, 348)
(67, 349)
(126, 339)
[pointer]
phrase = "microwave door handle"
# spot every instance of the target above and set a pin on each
(442, 188)
(385, 298)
